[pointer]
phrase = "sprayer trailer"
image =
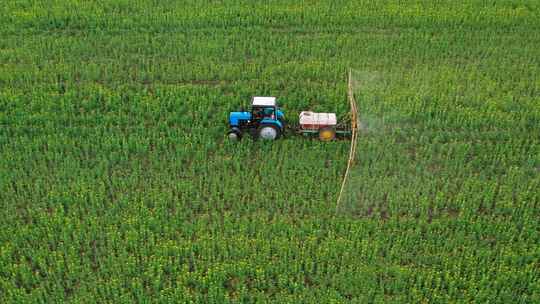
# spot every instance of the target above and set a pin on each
(324, 125)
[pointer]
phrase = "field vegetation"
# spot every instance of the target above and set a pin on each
(117, 183)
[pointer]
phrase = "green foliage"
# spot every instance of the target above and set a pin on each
(117, 183)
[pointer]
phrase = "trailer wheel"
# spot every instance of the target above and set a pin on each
(268, 132)
(327, 134)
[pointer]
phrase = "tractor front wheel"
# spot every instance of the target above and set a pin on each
(234, 135)
(268, 132)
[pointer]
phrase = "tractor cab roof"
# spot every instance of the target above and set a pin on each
(264, 101)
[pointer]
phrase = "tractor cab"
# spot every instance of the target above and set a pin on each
(265, 120)
(263, 107)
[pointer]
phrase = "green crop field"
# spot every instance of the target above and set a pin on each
(118, 184)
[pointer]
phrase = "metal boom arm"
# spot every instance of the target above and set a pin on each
(354, 127)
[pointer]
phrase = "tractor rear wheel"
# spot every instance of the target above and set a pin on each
(268, 132)
(327, 134)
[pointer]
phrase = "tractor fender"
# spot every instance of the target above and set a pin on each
(274, 122)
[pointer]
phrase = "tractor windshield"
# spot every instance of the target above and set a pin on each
(258, 113)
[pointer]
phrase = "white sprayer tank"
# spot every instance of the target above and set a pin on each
(314, 121)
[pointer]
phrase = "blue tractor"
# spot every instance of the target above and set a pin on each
(265, 121)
